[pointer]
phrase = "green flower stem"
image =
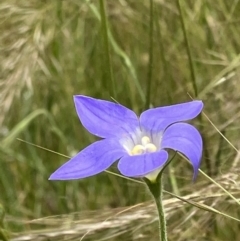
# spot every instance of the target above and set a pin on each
(156, 189)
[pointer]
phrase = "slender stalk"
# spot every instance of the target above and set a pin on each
(161, 214)
(193, 76)
(150, 52)
(193, 79)
(166, 77)
(156, 189)
(106, 47)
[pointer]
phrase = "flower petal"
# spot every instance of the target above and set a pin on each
(141, 165)
(186, 139)
(105, 119)
(92, 160)
(157, 119)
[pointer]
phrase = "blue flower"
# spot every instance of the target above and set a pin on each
(138, 143)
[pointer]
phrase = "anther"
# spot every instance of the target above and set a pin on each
(138, 150)
(146, 147)
(150, 147)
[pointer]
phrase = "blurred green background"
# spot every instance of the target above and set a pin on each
(150, 53)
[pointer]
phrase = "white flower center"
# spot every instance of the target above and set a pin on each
(143, 142)
(146, 146)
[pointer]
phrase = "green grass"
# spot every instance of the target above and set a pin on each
(52, 50)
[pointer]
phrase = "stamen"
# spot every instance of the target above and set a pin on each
(150, 147)
(138, 150)
(146, 147)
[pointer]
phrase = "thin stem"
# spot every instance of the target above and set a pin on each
(161, 214)
(167, 85)
(193, 76)
(156, 189)
(106, 47)
(150, 52)
(193, 79)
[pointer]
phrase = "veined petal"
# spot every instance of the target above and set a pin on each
(92, 160)
(157, 119)
(141, 165)
(186, 139)
(105, 119)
